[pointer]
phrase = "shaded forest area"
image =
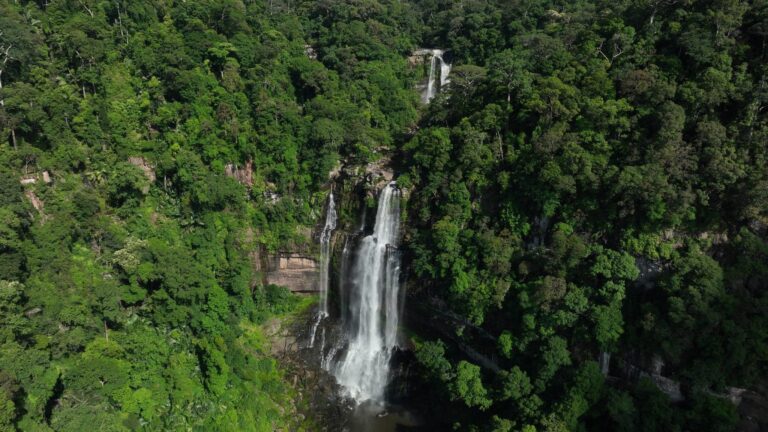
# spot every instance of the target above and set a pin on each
(595, 181)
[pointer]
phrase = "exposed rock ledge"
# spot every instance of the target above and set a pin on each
(298, 273)
(145, 167)
(243, 174)
(420, 56)
(33, 178)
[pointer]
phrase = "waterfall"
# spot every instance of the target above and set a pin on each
(373, 305)
(343, 289)
(430, 92)
(313, 331)
(605, 362)
(444, 71)
(325, 253)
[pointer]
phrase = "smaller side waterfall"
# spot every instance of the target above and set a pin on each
(605, 362)
(319, 317)
(429, 93)
(443, 72)
(343, 283)
(325, 254)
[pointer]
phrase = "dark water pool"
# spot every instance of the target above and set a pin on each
(374, 417)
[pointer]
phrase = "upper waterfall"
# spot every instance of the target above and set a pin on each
(436, 75)
(363, 371)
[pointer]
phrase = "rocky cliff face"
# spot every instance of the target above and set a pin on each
(244, 174)
(297, 268)
(298, 273)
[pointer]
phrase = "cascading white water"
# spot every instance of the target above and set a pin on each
(429, 93)
(363, 371)
(343, 289)
(325, 253)
(605, 362)
(313, 331)
(445, 70)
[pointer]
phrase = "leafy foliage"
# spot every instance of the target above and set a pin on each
(587, 184)
(160, 144)
(592, 180)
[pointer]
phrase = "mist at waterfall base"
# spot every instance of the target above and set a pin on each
(364, 336)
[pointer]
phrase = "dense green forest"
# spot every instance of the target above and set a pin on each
(595, 181)
(592, 180)
(128, 299)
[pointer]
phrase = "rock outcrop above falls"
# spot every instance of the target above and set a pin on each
(419, 56)
(298, 268)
